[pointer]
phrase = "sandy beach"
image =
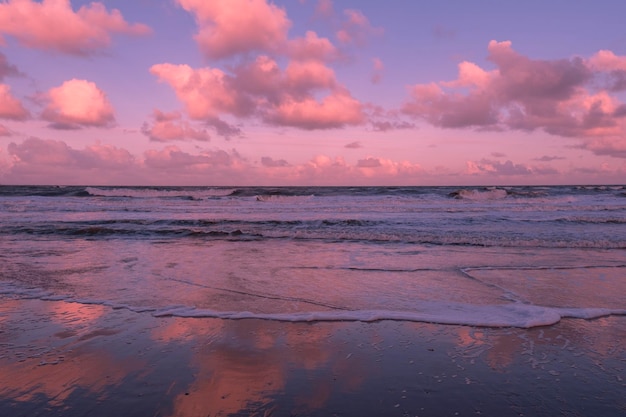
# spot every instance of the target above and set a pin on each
(68, 359)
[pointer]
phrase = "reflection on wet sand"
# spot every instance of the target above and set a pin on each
(45, 356)
(60, 358)
(253, 361)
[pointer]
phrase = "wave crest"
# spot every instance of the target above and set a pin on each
(480, 195)
(139, 192)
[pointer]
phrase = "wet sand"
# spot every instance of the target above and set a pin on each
(60, 358)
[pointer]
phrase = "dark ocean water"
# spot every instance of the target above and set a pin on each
(511, 256)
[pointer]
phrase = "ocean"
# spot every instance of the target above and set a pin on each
(487, 257)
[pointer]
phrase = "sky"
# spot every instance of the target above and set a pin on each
(312, 92)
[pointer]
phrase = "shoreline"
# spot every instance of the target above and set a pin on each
(71, 359)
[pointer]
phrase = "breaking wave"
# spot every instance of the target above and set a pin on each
(150, 192)
(480, 195)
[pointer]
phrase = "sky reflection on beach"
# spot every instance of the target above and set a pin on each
(50, 351)
(65, 357)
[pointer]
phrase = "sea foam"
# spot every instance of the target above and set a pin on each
(506, 315)
(498, 315)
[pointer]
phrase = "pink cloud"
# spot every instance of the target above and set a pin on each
(356, 28)
(261, 89)
(432, 103)
(230, 27)
(369, 162)
(334, 111)
(261, 77)
(526, 80)
(300, 92)
(303, 77)
(78, 103)
(267, 161)
(507, 168)
(53, 25)
(382, 120)
(206, 92)
(472, 76)
(40, 152)
(170, 126)
(312, 47)
(388, 125)
(325, 170)
(39, 161)
(386, 168)
(173, 159)
(607, 61)
(231, 168)
(557, 96)
(497, 168)
(37, 151)
(103, 155)
(612, 68)
(611, 146)
(11, 107)
(319, 170)
(172, 165)
(549, 158)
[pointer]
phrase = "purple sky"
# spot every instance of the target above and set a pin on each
(312, 92)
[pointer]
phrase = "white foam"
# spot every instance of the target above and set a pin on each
(496, 315)
(478, 195)
(505, 315)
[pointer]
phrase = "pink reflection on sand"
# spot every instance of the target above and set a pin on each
(51, 358)
(92, 372)
(75, 315)
(231, 375)
(252, 361)
(178, 330)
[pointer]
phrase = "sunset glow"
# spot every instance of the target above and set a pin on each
(312, 92)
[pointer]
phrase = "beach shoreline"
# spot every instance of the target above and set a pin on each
(72, 359)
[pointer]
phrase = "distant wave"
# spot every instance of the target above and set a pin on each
(150, 192)
(273, 193)
(355, 230)
(592, 220)
(601, 187)
(499, 193)
(480, 195)
(283, 198)
(43, 191)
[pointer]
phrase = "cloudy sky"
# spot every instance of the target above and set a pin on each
(312, 92)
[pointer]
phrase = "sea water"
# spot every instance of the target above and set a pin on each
(494, 257)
